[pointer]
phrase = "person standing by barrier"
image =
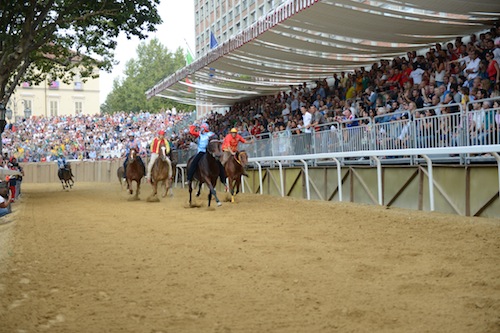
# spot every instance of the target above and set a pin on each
(5, 200)
(306, 126)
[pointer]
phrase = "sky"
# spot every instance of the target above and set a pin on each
(177, 29)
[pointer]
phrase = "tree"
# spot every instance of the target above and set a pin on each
(41, 39)
(152, 63)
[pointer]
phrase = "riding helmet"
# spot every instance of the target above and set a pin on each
(234, 130)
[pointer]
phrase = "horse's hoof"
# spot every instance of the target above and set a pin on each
(219, 204)
(232, 199)
(153, 198)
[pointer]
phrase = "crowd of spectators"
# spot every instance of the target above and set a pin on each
(42, 139)
(456, 72)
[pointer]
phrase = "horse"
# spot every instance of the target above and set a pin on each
(161, 173)
(208, 170)
(120, 174)
(134, 171)
(235, 169)
(66, 176)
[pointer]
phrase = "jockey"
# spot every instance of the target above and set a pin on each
(132, 144)
(203, 136)
(230, 145)
(62, 164)
(61, 161)
(155, 150)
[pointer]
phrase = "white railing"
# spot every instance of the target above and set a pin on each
(375, 155)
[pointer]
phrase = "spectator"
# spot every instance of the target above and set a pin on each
(5, 200)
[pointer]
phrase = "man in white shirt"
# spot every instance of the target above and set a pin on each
(306, 119)
(416, 74)
(472, 68)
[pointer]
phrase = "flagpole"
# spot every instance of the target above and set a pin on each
(189, 47)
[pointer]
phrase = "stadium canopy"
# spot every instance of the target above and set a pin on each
(307, 40)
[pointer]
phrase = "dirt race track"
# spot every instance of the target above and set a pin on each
(88, 260)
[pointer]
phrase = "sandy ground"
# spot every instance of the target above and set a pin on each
(89, 260)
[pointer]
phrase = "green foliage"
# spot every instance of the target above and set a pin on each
(49, 38)
(153, 62)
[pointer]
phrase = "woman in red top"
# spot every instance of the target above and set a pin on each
(493, 69)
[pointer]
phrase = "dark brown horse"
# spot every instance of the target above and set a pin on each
(208, 170)
(66, 177)
(161, 173)
(134, 171)
(120, 174)
(235, 169)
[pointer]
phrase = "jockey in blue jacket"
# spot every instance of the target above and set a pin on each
(203, 136)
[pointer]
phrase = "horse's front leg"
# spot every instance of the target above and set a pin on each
(138, 189)
(164, 185)
(199, 189)
(238, 185)
(214, 193)
(62, 183)
(190, 191)
(231, 188)
(129, 186)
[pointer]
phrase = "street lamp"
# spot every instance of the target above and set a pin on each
(2, 124)
(8, 113)
(27, 113)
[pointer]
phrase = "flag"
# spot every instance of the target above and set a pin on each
(213, 41)
(188, 81)
(189, 58)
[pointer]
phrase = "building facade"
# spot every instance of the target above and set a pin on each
(218, 20)
(55, 98)
(226, 18)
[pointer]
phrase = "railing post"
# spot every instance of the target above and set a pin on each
(339, 177)
(431, 181)
(379, 180)
(306, 170)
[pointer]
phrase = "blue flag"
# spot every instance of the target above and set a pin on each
(213, 41)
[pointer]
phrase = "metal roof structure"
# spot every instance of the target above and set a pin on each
(307, 40)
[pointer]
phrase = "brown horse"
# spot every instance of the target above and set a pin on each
(235, 169)
(134, 171)
(161, 173)
(66, 177)
(120, 174)
(208, 170)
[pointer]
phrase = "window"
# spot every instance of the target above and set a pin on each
(26, 85)
(78, 107)
(28, 104)
(53, 106)
(78, 86)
